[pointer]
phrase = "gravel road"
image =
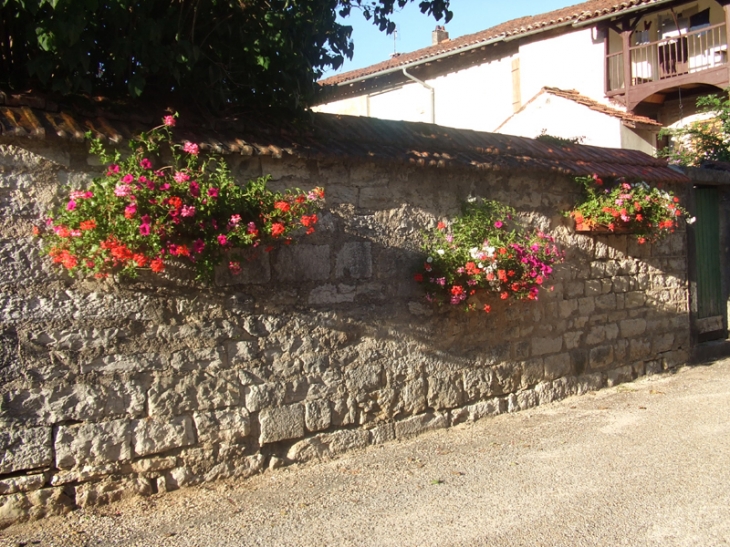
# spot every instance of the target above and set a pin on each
(642, 464)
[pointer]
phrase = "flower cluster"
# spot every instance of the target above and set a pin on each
(647, 212)
(485, 251)
(143, 214)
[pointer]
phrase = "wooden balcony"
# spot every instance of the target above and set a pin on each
(696, 57)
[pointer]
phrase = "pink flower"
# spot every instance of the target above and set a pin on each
(145, 164)
(198, 246)
(71, 205)
(222, 240)
(122, 190)
(126, 179)
(191, 148)
(165, 186)
(213, 192)
(234, 267)
(75, 233)
(169, 121)
(130, 210)
(194, 189)
(144, 229)
(187, 211)
(235, 219)
(251, 228)
(113, 169)
(181, 177)
(498, 224)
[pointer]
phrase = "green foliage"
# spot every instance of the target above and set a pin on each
(485, 250)
(702, 140)
(144, 213)
(647, 212)
(558, 141)
(225, 55)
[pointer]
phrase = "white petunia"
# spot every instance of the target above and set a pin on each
(440, 252)
(691, 220)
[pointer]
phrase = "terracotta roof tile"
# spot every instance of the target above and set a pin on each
(545, 21)
(350, 137)
(627, 117)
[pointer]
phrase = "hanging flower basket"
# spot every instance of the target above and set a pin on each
(485, 256)
(620, 207)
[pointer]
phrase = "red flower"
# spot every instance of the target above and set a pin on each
(472, 269)
(641, 240)
(504, 295)
(277, 228)
(283, 206)
(157, 265)
(457, 290)
(487, 308)
(309, 220)
(441, 226)
(418, 277)
(87, 224)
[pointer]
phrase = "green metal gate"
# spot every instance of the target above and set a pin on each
(707, 245)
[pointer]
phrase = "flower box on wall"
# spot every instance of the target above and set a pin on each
(601, 229)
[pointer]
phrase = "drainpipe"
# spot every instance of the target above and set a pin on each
(431, 89)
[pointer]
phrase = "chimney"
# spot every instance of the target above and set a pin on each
(439, 35)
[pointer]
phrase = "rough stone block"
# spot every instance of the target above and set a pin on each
(33, 505)
(557, 366)
(23, 483)
(533, 371)
(155, 435)
(621, 283)
(281, 423)
(420, 424)
(95, 443)
(354, 260)
(543, 346)
(26, 448)
(224, 426)
(303, 262)
(606, 302)
(482, 409)
(326, 445)
(601, 357)
(596, 335)
(662, 342)
(619, 375)
(630, 328)
(527, 399)
(593, 287)
(87, 473)
(174, 394)
(240, 353)
(154, 464)
(260, 396)
(382, 433)
(317, 415)
(445, 390)
(332, 294)
(111, 490)
(586, 306)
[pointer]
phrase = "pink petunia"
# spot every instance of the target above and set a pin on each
(145, 164)
(194, 189)
(222, 240)
(191, 148)
(187, 211)
(213, 192)
(127, 179)
(181, 177)
(144, 229)
(169, 121)
(71, 205)
(198, 246)
(122, 190)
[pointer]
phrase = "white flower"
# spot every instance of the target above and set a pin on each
(691, 220)
(440, 252)
(480, 265)
(471, 199)
(429, 259)
(473, 252)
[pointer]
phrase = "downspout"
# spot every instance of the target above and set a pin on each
(431, 89)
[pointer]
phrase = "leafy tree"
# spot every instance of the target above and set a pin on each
(702, 140)
(222, 55)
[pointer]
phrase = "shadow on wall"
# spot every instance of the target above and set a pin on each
(111, 388)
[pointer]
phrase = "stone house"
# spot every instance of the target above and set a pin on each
(115, 388)
(613, 72)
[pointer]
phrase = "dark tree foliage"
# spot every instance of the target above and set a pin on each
(215, 55)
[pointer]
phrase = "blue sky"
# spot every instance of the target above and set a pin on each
(414, 28)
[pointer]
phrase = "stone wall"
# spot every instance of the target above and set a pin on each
(111, 389)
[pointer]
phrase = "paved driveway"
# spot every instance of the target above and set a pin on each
(646, 463)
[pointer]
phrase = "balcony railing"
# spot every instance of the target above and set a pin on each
(687, 53)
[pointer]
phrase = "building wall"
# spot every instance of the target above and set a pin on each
(564, 118)
(482, 97)
(116, 388)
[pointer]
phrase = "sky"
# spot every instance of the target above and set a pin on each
(414, 28)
